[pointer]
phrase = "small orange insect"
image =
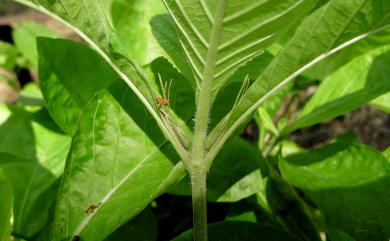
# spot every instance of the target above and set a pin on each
(162, 102)
(165, 88)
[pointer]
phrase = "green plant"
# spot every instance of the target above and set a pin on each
(227, 62)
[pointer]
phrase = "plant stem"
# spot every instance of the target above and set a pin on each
(199, 205)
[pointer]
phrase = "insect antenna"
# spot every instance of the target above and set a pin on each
(243, 89)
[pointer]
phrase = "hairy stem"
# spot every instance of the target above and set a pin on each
(205, 94)
(199, 205)
(198, 167)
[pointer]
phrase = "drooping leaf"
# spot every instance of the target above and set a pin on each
(143, 227)
(353, 85)
(6, 206)
(29, 181)
(329, 29)
(131, 20)
(234, 175)
(67, 93)
(349, 184)
(219, 36)
(239, 231)
(25, 35)
(118, 154)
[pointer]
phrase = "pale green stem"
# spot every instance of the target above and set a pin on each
(198, 170)
(199, 205)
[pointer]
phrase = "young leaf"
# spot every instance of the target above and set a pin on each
(353, 85)
(329, 29)
(349, 184)
(247, 28)
(6, 206)
(239, 231)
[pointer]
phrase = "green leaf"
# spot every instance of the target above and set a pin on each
(337, 235)
(143, 227)
(165, 33)
(326, 67)
(287, 209)
(8, 54)
(118, 154)
(87, 18)
(386, 153)
(239, 231)
(234, 175)
(6, 205)
(132, 19)
(382, 102)
(329, 29)
(116, 148)
(355, 84)
(62, 89)
(29, 182)
(25, 35)
(33, 135)
(349, 184)
(247, 28)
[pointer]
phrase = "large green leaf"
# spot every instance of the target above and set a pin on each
(234, 175)
(353, 85)
(240, 231)
(329, 29)
(6, 205)
(349, 184)
(65, 96)
(118, 154)
(241, 29)
(132, 19)
(29, 181)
